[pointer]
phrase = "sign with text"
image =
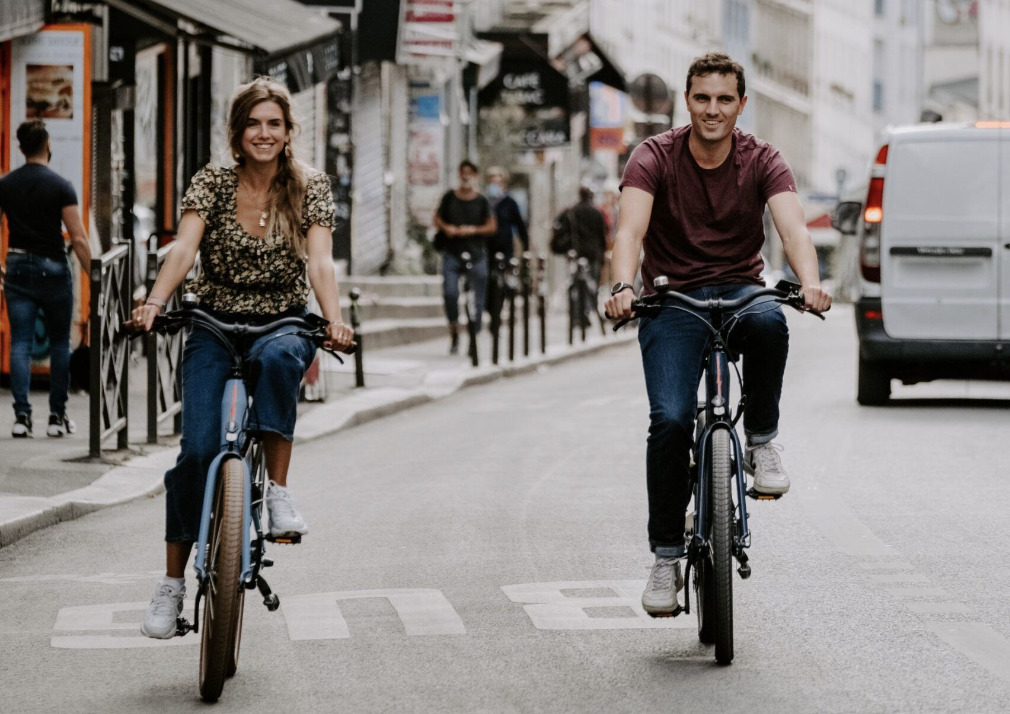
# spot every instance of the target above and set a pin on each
(527, 106)
(428, 30)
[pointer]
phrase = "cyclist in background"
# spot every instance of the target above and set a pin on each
(259, 226)
(694, 199)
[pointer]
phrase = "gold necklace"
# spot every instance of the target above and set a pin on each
(263, 214)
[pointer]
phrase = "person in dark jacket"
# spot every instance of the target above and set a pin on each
(510, 220)
(588, 230)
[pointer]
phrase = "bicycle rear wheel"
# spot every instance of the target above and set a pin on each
(721, 540)
(224, 594)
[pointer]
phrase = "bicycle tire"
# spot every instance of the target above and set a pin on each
(704, 588)
(236, 637)
(722, 528)
(221, 611)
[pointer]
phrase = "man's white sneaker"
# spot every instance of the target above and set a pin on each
(284, 517)
(22, 428)
(665, 580)
(165, 608)
(765, 463)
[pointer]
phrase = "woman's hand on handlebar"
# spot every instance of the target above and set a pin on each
(815, 298)
(618, 307)
(143, 317)
(339, 337)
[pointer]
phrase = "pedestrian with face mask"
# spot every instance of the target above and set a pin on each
(464, 220)
(510, 219)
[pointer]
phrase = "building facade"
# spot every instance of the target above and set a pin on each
(994, 59)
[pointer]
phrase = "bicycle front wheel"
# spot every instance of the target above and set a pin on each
(721, 540)
(224, 594)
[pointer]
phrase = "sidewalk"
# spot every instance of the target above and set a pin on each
(44, 481)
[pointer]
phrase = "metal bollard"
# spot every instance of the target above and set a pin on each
(359, 364)
(583, 295)
(496, 302)
(513, 288)
(573, 268)
(542, 301)
(526, 278)
(471, 319)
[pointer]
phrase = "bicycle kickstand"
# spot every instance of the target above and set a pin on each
(269, 599)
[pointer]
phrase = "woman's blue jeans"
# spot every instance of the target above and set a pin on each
(34, 282)
(673, 346)
(206, 366)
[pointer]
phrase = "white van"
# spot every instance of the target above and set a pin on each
(934, 295)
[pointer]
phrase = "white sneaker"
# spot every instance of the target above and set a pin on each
(284, 517)
(22, 428)
(165, 608)
(765, 463)
(665, 580)
(60, 425)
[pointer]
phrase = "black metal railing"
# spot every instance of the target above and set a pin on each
(111, 294)
(164, 356)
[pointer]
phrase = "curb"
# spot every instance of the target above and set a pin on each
(143, 476)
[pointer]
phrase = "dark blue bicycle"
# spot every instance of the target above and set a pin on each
(717, 531)
(231, 549)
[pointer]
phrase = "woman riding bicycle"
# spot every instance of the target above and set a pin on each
(259, 226)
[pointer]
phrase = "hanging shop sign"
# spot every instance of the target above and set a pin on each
(305, 68)
(608, 114)
(428, 30)
(527, 107)
(50, 79)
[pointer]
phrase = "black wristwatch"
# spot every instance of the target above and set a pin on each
(619, 287)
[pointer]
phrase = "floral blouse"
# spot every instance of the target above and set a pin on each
(240, 272)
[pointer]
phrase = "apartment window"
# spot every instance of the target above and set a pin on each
(878, 7)
(878, 95)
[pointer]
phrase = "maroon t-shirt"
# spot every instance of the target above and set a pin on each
(707, 225)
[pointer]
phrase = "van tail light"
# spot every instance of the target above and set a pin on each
(873, 215)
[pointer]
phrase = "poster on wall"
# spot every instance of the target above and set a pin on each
(50, 80)
(426, 152)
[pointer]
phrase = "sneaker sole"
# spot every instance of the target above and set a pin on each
(772, 490)
(145, 633)
(21, 436)
(55, 433)
(663, 612)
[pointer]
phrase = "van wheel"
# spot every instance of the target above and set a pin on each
(874, 387)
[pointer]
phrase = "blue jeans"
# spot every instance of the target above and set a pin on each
(673, 346)
(452, 269)
(35, 282)
(206, 366)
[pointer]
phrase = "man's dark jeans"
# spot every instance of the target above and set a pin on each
(673, 345)
(35, 282)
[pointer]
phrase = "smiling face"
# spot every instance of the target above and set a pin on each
(265, 133)
(714, 105)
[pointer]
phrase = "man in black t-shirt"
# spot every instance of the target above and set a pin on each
(464, 220)
(36, 200)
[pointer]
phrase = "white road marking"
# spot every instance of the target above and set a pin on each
(550, 609)
(917, 592)
(938, 608)
(102, 578)
(318, 616)
(979, 642)
(841, 526)
(100, 617)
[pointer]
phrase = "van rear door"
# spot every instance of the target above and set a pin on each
(1004, 232)
(940, 248)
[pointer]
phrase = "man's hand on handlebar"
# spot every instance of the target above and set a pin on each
(815, 298)
(339, 337)
(143, 317)
(618, 307)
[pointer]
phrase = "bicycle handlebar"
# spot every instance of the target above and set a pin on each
(164, 323)
(651, 303)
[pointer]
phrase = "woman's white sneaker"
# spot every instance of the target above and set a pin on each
(284, 517)
(163, 612)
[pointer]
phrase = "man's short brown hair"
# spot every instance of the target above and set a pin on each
(716, 63)
(32, 137)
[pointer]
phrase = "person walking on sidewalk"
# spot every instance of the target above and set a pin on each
(260, 227)
(583, 229)
(695, 197)
(464, 220)
(36, 200)
(510, 226)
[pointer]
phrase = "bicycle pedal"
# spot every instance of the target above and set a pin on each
(757, 496)
(293, 539)
(183, 627)
(272, 602)
(664, 615)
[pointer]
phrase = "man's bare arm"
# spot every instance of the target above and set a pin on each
(787, 213)
(78, 239)
(635, 214)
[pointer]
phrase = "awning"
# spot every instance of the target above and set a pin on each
(20, 17)
(270, 27)
(485, 58)
(585, 61)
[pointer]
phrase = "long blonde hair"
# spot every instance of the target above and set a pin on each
(287, 190)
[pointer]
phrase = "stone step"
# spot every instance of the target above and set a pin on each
(374, 307)
(393, 285)
(379, 334)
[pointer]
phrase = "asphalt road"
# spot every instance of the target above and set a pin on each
(486, 553)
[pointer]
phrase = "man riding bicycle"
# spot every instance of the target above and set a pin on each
(693, 198)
